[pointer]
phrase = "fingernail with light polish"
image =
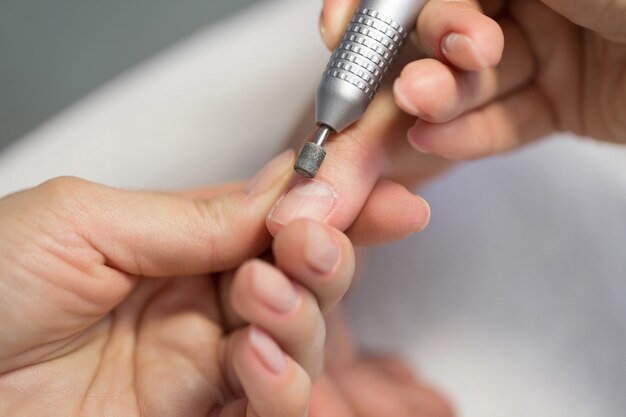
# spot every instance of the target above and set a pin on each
(321, 250)
(267, 349)
(459, 48)
(270, 173)
(273, 289)
(306, 200)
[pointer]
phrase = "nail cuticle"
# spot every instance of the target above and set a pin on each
(306, 190)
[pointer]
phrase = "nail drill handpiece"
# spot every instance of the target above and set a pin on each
(356, 70)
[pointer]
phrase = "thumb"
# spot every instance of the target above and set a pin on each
(157, 235)
(334, 18)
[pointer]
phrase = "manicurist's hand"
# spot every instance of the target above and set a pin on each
(484, 77)
(563, 67)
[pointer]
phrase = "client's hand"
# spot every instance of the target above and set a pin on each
(112, 302)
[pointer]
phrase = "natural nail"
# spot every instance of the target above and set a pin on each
(414, 139)
(269, 352)
(461, 48)
(402, 98)
(321, 250)
(270, 173)
(308, 199)
(273, 289)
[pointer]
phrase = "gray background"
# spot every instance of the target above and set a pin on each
(54, 52)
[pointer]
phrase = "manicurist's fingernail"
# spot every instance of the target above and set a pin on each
(273, 289)
(461, 50)
(306, 200)
(270, 173)
(321, 250)
(269, 352)
(402, 97)
(414, 137)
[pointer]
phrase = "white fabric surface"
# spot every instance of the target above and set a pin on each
(513, 301)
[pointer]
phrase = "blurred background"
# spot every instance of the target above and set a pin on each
(54, 52)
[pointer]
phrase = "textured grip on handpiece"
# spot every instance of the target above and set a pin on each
(356, 70)
(362, 59)
(367, 50)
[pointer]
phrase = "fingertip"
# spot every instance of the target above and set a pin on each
(418, 138)
(317, 256)
(464, 138)
(476, 47)
(392, 213)
(274, 384)
(460, 33)
(428, 138)
(427, 89)
(260, 288)
(267, 351)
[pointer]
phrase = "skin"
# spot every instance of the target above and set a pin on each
(131, 303)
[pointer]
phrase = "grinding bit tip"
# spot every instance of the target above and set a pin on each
(310, 160)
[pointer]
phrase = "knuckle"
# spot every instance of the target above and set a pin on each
(66, 196)
(63, 188)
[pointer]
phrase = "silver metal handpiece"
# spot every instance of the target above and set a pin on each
(356, 70)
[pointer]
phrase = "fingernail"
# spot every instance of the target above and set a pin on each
(273, 289)
(413, 136)
(308, 199)
(321, 250)
(428, 214)
(402, 98)
(458, 48)
(270, 173)
(268, 350)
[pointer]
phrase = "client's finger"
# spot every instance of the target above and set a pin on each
(275, 385)
(435, 92)
(391, 213)
(460, 33)
(317, 257)
(496, 128)
(263, 296)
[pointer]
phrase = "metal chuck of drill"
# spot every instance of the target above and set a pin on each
(356, 70)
